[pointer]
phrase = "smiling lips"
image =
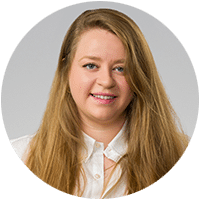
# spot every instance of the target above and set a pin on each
(104, 98)
(103, 95)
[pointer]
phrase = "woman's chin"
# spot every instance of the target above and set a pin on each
(104, 118)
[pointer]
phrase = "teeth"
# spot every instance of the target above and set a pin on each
(103, 97)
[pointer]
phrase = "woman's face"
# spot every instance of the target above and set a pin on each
(97, 82)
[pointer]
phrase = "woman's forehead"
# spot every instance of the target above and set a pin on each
(100, 44)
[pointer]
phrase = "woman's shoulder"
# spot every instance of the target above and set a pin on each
(20, 144)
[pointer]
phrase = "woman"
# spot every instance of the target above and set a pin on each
(109, 129)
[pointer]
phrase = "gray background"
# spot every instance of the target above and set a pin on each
(31, 69)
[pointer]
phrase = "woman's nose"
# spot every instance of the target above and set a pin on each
(105, 78)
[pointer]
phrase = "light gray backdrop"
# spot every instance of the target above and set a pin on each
(32, 66)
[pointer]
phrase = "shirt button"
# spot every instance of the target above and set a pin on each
(97, 176)
(97, 145)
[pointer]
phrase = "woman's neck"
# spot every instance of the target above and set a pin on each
(103, 131)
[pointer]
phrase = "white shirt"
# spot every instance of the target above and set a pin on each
(93, 164)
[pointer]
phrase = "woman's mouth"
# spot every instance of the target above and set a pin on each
(104, 98)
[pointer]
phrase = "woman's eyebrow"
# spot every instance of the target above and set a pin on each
(120, 61)
(99, 59)
(91, 57)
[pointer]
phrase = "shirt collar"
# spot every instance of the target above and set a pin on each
(115, 149)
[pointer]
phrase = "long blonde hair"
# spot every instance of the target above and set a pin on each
(155, 138)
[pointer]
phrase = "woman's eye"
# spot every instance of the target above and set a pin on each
(90, 66)
(119, 69)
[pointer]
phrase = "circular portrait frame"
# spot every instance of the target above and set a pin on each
(20, 118)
